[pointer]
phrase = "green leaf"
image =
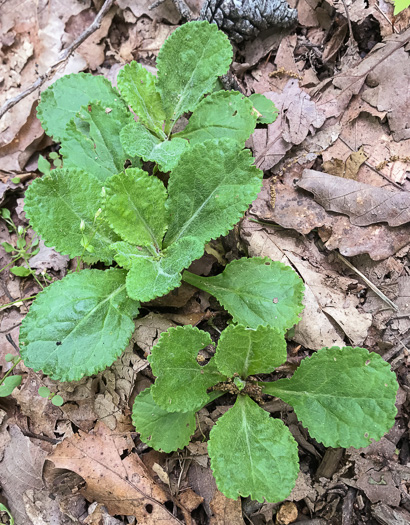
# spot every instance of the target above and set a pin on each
(253, 454)
(189, 63)
(400, 5)
(156, 276)
(224, 114)
(8, 248)
(43, 165)
(9, 384)
(92, 143)
(158, 428)
(256, 291)
(267, 109)
(344, 396)
(3, 508)
(137, 87)
(57, 401)
(20, 271)
(138, 141)
(126, 254)
(63, 99)
(79, 325)
(181, 382)
(43, 391)
(210, 189)
(57, 203)
(247, 351)
(135, 207)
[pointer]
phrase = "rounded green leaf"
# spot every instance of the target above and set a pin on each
(63, 99)
(158, 428)
(92, 142)
(135, 207)
(138, 141)
(256, 291)
(267, 109)
(137, 87)
(189, 63)
(125, 253)
(20, 271)
(344, 396)
(56, 206)
(79, 325)
(224, 114)
(43, 391)
(181, 382)
(151, 277)
(248, 351)
(57, 401)
(9, 384)
(253, 454)
(210, 189)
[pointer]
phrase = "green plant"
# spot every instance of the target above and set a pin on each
(3, 508)
(400, 5)
(55, 399)
(102, 207)
(23, 249)
(344, 396)
(9, 382)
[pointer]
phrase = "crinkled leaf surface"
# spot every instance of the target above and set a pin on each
(135, 207)
(253, 454)
(138, 141)
(344, 396)
(79, 325)
(92, 140)
(151, 277)
(181, 382)
(247, 351)
(189, 63)
(125, 253)
(137, 87)
(267, 109)
(256, 291)
(63, 99)
(57, 203)
(160, 429)
(224, 114)
(9, 384)
(210, 189)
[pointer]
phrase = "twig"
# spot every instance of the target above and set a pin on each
(369, 283)
(64, 55)
(351, 37)
(401, 345)
(365, 279)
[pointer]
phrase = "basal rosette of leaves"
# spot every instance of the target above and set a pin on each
(344, 396)
(101, 206)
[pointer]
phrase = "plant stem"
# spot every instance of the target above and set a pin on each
(11, 369)
(17, 301)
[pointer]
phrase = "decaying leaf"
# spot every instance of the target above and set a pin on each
(363, 204)
(122, 485)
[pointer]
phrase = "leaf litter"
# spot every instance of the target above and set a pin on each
(339, 115)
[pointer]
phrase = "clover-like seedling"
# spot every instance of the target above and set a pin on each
(101, 206)
(344, 396)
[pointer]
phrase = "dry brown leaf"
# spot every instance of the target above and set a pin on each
(297, 117)
(364, 204)
(122, 485)
(288, 513)
(225, 511)
(347, 169)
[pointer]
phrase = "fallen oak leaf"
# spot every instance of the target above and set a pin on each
(364, 204)
(124, 486)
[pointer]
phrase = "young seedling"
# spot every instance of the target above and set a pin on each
(9, 382)
(344, 396)
(101, 206)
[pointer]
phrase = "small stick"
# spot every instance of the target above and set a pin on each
(64, 56)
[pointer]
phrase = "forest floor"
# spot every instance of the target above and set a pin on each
(340, 81)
